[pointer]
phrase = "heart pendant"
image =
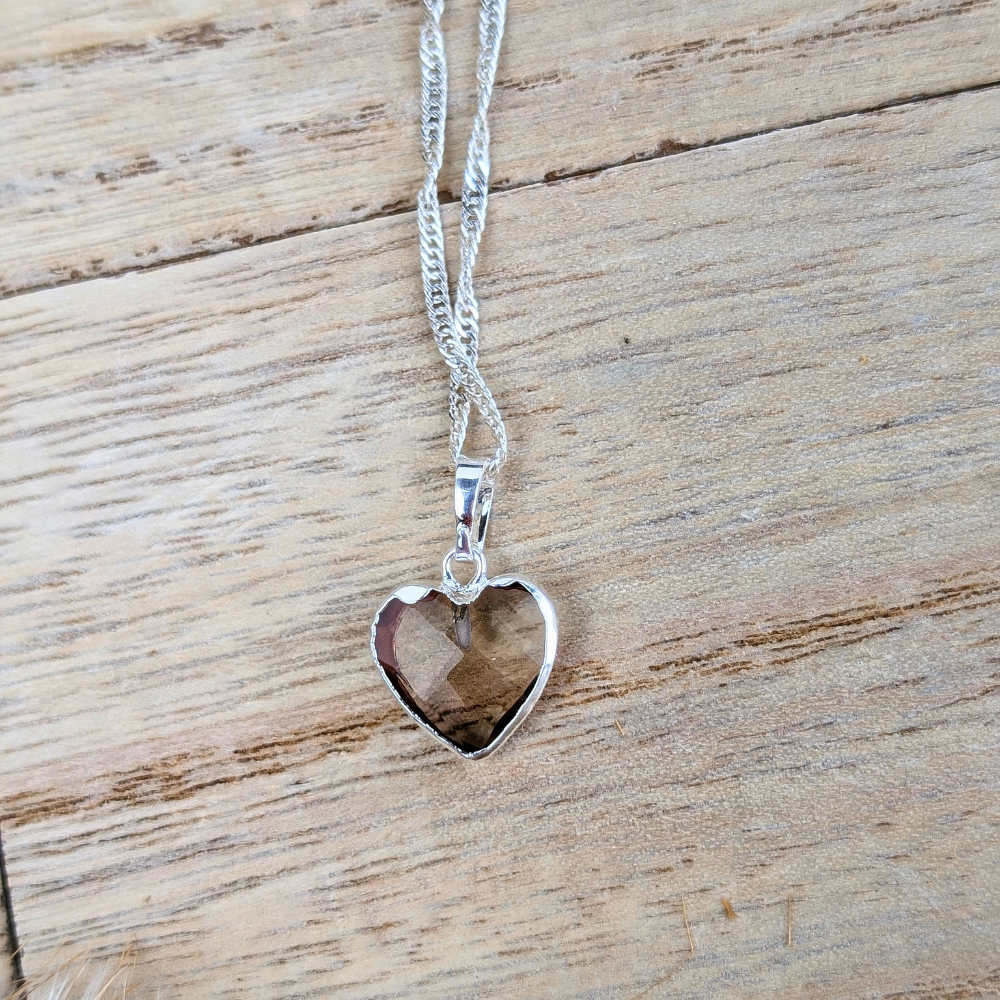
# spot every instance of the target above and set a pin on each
(467, 671)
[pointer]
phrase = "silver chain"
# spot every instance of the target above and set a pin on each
(456, 327)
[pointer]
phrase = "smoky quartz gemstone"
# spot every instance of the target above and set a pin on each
(463, 669)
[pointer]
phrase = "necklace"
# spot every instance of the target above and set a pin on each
(467, 661)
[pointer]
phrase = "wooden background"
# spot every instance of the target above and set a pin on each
(740, 308)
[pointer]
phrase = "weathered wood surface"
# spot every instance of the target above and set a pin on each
(139, 133)
(753, 394)
(8, 983)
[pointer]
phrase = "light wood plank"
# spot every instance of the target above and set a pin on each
(137, 133)
(752, 393)
(7, 982)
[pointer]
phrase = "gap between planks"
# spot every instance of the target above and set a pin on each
(12, 976)
(446, 198)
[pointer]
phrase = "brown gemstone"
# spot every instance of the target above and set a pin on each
(464, 669)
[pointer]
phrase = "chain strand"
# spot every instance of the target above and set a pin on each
(456, 328)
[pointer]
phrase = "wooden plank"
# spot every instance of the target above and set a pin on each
(752, 395)
(141, 133)
(7, 981)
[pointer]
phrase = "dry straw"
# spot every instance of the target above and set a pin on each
(79, 978)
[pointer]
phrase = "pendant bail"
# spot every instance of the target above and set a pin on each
(473, 501)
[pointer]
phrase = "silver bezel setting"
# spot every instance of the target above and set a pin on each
(413, 593)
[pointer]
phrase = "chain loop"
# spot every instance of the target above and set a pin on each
(456, 328)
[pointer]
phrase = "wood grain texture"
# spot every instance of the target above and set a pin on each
(8, 983)
(138, 133)
(754, 398)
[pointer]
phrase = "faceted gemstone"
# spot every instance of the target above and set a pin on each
(465, 669)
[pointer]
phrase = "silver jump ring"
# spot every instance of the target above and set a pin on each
(464, 593)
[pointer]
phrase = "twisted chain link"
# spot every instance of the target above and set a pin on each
(456, 328)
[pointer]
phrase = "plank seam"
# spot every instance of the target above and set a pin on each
(16, 964)
(663, 152)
